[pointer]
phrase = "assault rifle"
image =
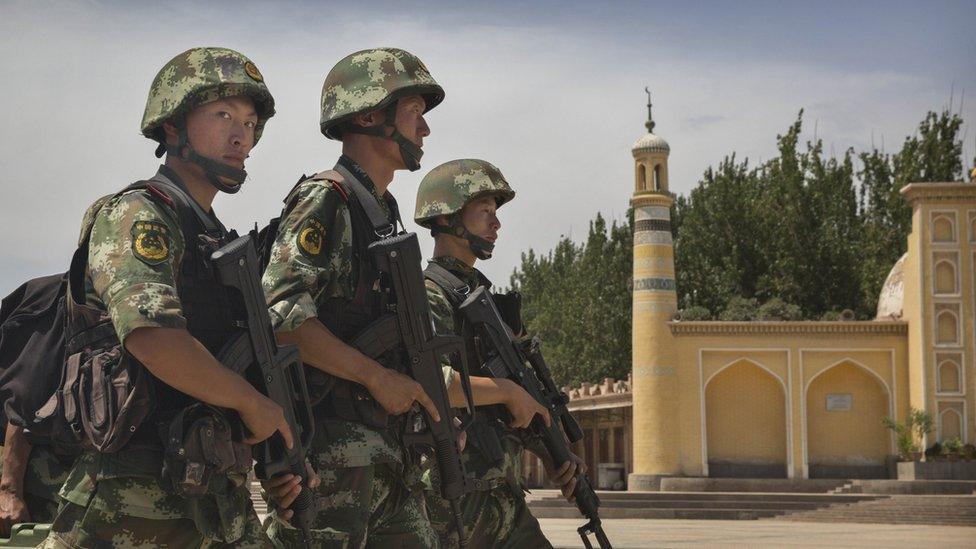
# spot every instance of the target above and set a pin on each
(506, 359)
(408, 330)
(275, 371)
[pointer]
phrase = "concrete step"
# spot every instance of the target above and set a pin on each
(690, 504)
(936, 510)
(726, 496)
(780, 485)
(685, 514)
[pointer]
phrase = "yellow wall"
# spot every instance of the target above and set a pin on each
(745, 416)
(793, 352)
(856, 436)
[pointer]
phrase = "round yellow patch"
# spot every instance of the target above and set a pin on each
(311, 237)
(252, 70)
(150, 241)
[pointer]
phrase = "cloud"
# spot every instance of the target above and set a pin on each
(555, 106)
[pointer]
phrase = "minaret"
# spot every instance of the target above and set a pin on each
(655, 300)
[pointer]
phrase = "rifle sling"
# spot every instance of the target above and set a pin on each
(455, 288)
(377, 217)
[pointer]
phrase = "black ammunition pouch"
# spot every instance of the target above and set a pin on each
(485, 433)
(350, 401)
(199, 444)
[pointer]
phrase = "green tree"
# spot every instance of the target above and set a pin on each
(577, 300)
(799, 236)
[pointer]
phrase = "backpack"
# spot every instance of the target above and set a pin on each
(33, 322)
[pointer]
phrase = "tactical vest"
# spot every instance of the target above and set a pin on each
(486, 431)
(214, 314)
(347, 317)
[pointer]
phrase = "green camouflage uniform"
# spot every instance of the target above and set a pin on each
(495, 512)
(119, 497)
(136, 249)
(370, 492)
(45, 473)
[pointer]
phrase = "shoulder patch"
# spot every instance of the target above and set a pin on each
(311, 237)
(150, 241)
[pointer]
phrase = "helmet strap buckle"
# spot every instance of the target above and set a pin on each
(481, 248)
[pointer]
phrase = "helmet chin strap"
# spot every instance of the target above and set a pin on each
(214, 170)
(479, 246)
(410, 153)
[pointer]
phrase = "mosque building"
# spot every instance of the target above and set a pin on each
(788, 399)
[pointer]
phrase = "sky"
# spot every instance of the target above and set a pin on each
(550, 92)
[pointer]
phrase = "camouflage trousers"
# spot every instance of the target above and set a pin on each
(107, 504)
(496, 518)
(77, 526)
(368, 506)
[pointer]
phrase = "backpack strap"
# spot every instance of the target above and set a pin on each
(355, 188)
(176, 197)
(454, 287)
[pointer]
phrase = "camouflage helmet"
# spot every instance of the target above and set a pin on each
(372, 79)
(448, 187)
(202, 75)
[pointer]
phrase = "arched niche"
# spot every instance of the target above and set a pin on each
(745, 422)
(945, 277)
(641, 178)
(947, 328)
(657, 177)
(943, 230)
(950, 424)
(845, 406)
(949, 378)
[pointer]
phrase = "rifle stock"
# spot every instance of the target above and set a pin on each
(507, 358)
(276, 371)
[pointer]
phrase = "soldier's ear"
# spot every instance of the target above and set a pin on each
(369, 119)
(442, 220)
(170, 133)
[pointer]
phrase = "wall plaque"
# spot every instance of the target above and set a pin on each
(839, 402)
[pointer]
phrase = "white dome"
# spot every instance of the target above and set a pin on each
(892, 293)
(651, 142)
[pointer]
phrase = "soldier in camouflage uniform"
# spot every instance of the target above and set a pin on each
(206, 108)
(321, 290)
(321, 293)
(457, 201)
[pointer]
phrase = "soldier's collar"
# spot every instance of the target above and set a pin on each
(468, 274)
(358, 171)
(169, 175)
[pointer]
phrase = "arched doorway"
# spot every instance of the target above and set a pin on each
(845, 436)
(745, 418)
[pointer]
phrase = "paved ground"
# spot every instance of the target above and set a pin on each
(626, 533)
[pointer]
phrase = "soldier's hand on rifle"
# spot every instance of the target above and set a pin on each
(283, 489)
(396, 393)
(523, 407)
(263, 417)
(565, 476)
(13, 510)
